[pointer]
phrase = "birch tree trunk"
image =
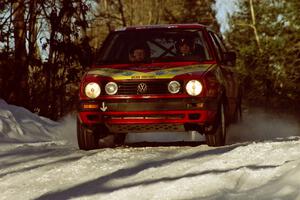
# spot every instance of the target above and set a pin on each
(253, 25)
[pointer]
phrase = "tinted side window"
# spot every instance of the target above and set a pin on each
(201, 42)
(220, 43)
(216, 46)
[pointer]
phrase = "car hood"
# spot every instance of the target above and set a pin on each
(150, 71)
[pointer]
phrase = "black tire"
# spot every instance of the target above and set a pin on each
(120, 139)
(218, 137)
(86, 137)
(238, 114)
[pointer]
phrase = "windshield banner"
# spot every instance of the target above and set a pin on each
(120, 74)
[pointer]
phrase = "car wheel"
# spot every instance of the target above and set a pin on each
(238, 115)
(218, 138)
(86, 137)
(120, 139)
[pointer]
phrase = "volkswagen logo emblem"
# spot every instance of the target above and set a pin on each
(142, 88)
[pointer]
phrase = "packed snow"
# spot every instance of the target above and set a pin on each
(39, 159)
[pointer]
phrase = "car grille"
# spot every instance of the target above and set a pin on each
(153, 87)
(142, 128)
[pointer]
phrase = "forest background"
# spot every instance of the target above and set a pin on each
(47, 45)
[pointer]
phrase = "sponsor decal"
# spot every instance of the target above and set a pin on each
(119, 74)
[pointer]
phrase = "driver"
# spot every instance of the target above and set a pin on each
(184, 47)
(138, 53)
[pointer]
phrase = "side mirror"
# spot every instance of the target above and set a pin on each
(230, 58)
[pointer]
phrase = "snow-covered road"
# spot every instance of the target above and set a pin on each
(39, 159)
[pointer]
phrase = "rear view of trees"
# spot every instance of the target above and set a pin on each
(44, 47)
(111, 14)
(266, 34)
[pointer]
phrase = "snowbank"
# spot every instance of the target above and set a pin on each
(18, 124)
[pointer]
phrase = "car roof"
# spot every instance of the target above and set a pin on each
(163, 26)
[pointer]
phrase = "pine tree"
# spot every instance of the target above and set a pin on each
(268, 49)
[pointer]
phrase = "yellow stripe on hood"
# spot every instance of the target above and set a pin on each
(120, 74)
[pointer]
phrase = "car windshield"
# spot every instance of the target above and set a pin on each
(155, 45)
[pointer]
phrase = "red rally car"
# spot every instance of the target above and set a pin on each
(159, 78)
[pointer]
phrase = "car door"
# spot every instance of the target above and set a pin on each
(230, 77)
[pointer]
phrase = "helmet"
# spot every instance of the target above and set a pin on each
(185, 41)
(139, 57)
(141, 45)
(182, 41)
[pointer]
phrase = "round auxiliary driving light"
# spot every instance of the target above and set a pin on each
(111, 88)
(174, 87)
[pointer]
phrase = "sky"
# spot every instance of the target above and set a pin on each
(225, 9)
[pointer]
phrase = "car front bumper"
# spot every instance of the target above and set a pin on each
(149, 115)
